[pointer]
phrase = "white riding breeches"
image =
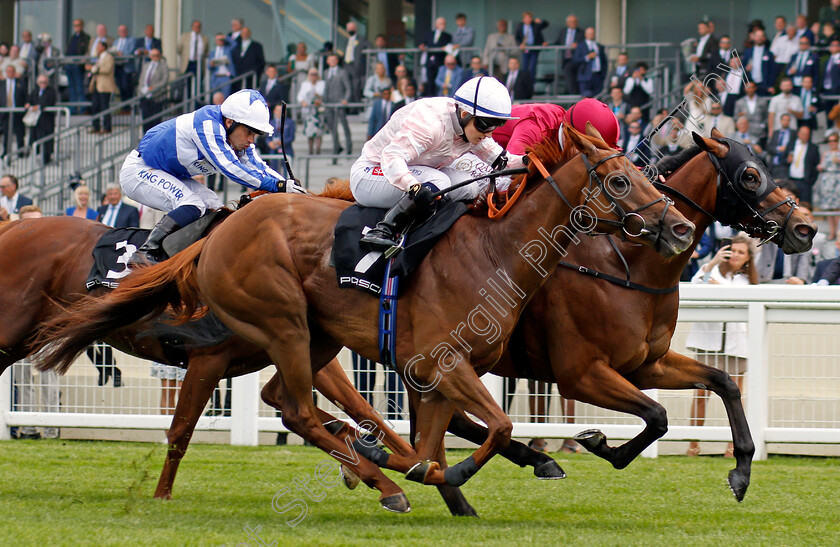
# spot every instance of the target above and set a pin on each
(372, 189)
(160, 190)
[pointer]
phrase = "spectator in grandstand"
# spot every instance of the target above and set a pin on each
(497, 50)
(828, 33)
(143, 46)
(47, 61)
(518, 81)
(390, 60)
(811, 103)
(634, 146)
(784, 103)
(718, 120)
(152, 89)
(400, 78)
(591, 61)
(828, 185)
(638, 89)
(784, 45)
(78, 45)
(380, 112)
(221, 65)
(730, 86)
(355, 62)
(247, 56)
(831, 14)
(474, 70)
(28, 50)
(755, 110)
(300, 61)
(81, 199)
(742, 134)
(337, 90)
(4, 54)
(409, 94)
(11, 201)
(803, 30)
(310, 96)
(448, 77)
(634, 114)
(803, 157)
(100, 37)
(14, 60)
(722, 345)
(192, 50)
(804, 63)
(13, 95)
(125, 68)
(777, 146)
(377, 82)
(760, 63)
(102, 87)
(463, 37)
(569, 36)
(432, 62)
(699, 99)
(673, 141)
(706, 45)
(272, 89)
(618, 106)
(171, 379)
(619, 74)
(114, 212)
(721, 56)
(529, 33)
(41, 98)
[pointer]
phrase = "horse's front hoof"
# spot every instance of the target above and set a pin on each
(591, 439)
(738, 483)
(549, 470)
(351, 480)
(398, 503)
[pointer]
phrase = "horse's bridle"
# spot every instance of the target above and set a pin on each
(731, 196)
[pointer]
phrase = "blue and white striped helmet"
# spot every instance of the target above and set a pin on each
(248, 107)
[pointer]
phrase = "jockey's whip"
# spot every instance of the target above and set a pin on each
(283, 140)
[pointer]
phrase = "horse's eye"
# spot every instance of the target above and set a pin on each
(618, 186)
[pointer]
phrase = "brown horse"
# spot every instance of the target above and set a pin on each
(47, 261)
(277, 290)
(602, 342)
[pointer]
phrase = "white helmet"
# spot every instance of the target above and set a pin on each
(248, 107)
(484, 97)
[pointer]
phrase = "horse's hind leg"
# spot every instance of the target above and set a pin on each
(544, 465)
(677, 371)
(602, 386)
(203, 375)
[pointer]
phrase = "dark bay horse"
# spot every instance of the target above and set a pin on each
(602, 343)
(276, 289)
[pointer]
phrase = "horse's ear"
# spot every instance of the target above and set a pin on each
(592, 132)
(717, 134)
(710, 145)
(581, 142)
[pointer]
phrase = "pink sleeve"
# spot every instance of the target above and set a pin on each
(526, 133)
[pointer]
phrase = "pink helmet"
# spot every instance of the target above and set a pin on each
(597, 113)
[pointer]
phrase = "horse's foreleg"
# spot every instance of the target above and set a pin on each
(544, 465)
(602, 386)
(677, 371)
(203, 375)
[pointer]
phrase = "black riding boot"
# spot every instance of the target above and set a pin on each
(151, 252)
(387, 231)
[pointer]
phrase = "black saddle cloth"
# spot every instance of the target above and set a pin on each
(111, 255)
(356, 267)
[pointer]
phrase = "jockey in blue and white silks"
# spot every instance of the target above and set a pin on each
(213, 139)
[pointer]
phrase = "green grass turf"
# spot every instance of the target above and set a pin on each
(100, 493)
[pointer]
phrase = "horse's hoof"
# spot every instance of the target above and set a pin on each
(738, 484)
(590, 439)
(421, 470)
(549, 470)
(351, 480)
(398, 503)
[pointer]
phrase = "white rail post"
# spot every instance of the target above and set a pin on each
(5, 401)
(244, 429)
(495, 385)
(757, 390)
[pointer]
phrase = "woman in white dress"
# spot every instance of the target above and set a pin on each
(310, 97)
(302, 61)
(377, 82)
(722, 345)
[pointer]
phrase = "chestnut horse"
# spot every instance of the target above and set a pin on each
(602, 342)
(276, 288)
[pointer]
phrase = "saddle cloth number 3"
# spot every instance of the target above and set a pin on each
(123, 259)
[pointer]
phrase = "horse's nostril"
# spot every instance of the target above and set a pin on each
(682, 229)
(804, 230)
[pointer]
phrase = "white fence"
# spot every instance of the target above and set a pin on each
(791, 391)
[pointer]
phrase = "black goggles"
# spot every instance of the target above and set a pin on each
(486, 125)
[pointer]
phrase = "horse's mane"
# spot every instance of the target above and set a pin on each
(669, 164)
(337, 189)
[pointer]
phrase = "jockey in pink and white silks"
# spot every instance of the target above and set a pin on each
(409, 159)
(212, 139)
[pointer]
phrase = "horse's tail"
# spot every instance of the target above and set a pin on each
(143, 295)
